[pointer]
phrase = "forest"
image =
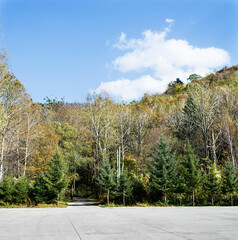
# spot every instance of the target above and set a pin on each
(175, 148)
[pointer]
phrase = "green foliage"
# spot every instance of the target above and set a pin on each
(7, 190)
(138, 190)
(163, 170)
(189, 119)
(22, 190)
(229, 178)
(40, 190)
(176, 87)
(192, 175)
(55, 177)
(194, 76)
(212, 184)
(107, 177)
(124, 186)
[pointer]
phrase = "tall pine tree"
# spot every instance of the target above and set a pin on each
(7, 189)
(56, 178)
(189, 119)
(212, 184)
(192, 175)
(124, 187)
(106, 179)
(229, 180)
(22, 189)
(40, 190)
(163, 170)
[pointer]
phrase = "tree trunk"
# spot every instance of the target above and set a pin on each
(1, 159)
(165, 198)
(108, 196)
(180, 199)
(231, 150)
(18, 153)
(122, 152)
(74, 183)
(1, 172)
(72, 192)
(206, 145)
(193, 198)
(231, 199)
(27, 146)
(57, 200)
(212, 199)
(214, 150)
(25, 162)
(124, 198)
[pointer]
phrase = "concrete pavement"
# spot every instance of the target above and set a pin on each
(92, 222)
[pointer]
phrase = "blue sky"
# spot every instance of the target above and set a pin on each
(127, 47)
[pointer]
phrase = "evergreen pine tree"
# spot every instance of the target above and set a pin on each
(40, 190)
(106, 179)
(22, 189)
(56, 178)
(124, 186)
(180, 183)
(229, 180)
(163, 170)
(138, 189)
(189, 121)
(7, 189)
(212, 184)
(192, 175)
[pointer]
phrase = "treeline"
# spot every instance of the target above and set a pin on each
(102, 141)
(172, 181)
(47, 187)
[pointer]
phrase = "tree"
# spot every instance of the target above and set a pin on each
(138, 189)
(106, 179)
(55, 177)
(12, 93)
(189, 115)
(22, 189)
(207, 102)
(47, 143)
(40, 190)
(194, 76)
(124, 186)
(229, 180)
(192, 175)
(100, 116)
(175, 87)
(69, 145)
(212, 184)
(163, 170)
(122, 126)
(7, 189)
(180, 185)
(31, 120)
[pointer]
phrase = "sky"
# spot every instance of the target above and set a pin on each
(69, 48)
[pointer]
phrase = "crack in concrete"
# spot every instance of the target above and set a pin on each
(74, 228)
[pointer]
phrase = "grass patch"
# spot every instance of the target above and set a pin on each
(40, 205)
(157, 204)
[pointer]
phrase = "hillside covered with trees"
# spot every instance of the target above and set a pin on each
(179, 147)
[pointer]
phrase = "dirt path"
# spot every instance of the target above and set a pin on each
(83, 202)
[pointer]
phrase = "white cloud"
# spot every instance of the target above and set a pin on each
(128, 90)
(169, 20)
(165, 60)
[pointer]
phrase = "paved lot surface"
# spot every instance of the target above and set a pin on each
(92, 222)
